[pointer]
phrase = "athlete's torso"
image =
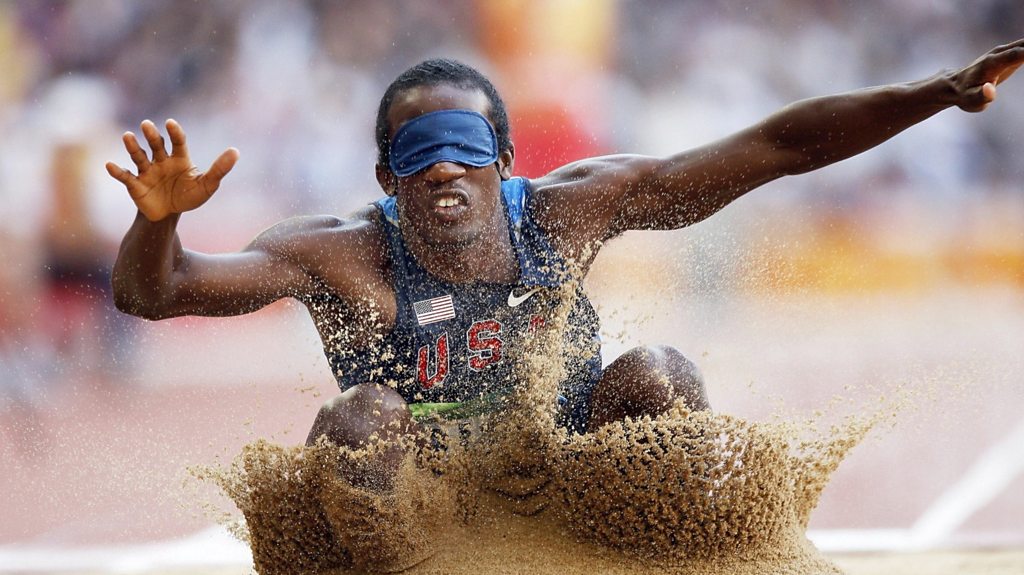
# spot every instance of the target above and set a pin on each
(453, 343)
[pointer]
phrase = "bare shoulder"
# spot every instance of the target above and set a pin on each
(313, 241)
(604, 174)
(580, 201)
(298, 232)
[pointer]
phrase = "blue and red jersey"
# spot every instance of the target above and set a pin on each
(451, 343)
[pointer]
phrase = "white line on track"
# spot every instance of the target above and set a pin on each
(990, 475)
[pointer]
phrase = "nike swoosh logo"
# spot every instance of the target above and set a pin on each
(514, 300)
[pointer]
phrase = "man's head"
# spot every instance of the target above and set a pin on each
(451, 198)
(433, 73)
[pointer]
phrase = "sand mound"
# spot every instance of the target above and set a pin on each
(681, 493)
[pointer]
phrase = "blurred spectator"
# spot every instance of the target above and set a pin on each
(295, 86)
(89, 335)
(25, 353)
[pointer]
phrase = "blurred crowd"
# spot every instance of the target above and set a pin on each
(294, 85)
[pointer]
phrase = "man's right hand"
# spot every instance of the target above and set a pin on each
(168, 184)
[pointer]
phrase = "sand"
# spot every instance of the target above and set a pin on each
(648, 496)
(969, 562)
(685, 492)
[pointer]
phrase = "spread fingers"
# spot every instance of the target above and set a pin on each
(135, 151)
(156, 141)
(177, 136)
(220, 168)
(125, 177)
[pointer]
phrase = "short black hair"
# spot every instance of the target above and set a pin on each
(435, 72)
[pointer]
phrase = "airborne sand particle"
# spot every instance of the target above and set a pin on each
(686, 492)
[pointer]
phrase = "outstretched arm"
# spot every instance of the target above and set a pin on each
(620, 193)
(154, 277)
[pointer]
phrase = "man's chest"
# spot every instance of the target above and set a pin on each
(438, 338)
(467, 339)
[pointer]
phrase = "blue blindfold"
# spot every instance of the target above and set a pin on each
(459, 136)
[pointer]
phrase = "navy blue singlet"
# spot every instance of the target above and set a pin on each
(450, 345)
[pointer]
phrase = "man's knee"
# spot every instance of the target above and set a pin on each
(360, 412)
(353, 419)
(682, 374)
(646, 381)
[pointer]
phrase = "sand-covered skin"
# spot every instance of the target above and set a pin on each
(680, 493)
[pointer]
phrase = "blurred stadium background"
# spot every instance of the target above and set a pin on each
(902, 267)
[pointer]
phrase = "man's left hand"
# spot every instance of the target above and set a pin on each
(976, 84)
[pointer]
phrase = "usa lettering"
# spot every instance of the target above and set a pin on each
(483, 341)
(440, 363)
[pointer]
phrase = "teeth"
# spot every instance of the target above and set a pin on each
(446, 202)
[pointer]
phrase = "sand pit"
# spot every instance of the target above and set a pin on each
(686, 492)
(973, 562)
(682, 505)
(544, 539)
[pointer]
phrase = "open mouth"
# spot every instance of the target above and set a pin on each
(449, 205)
(448, 202)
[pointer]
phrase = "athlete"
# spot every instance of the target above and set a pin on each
(421, 298)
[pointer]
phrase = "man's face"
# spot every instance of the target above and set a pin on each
(447, 203)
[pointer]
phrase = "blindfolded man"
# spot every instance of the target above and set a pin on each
(421, 297)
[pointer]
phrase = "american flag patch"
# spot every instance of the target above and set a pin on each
(433, 310)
